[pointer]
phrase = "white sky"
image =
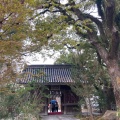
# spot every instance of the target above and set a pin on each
(39, 59)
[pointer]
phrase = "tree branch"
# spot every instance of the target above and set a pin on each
(109, 13)
(1, 22)
(100, 27)
(101, 50)
(114, 46)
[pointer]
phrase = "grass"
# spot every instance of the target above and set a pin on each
(81, 117)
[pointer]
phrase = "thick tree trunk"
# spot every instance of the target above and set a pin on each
(114, 72)
(110, 99)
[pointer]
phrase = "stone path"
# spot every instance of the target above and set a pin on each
(59, 117)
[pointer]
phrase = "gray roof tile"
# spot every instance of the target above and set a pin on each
(48, 74)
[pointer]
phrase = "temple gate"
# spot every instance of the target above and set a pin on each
(57, 78)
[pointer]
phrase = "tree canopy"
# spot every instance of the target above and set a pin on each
(101, 32)
(45, 24)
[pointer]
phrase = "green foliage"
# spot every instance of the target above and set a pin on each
(21, 99)
(55, 17)
(52, 24)
(118, 113)
(14, 29)
(89, 77)
(64, 59)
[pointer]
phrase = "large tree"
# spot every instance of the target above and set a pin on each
(101, 32)
(15, 32)
(15, 28)
(89, 70)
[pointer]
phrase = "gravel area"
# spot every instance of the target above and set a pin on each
(59, 117)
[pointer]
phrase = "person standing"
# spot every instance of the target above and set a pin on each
(56, 106)
(53, 107)
(50, 107)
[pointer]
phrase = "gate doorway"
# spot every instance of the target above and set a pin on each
(55, 98)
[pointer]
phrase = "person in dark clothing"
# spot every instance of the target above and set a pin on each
(53, 107)
(56, 106)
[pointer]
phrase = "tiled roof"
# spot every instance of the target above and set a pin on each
(48, 74)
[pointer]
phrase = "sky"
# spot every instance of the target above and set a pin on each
(39, 59)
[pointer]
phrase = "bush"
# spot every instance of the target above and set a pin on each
(16, 100)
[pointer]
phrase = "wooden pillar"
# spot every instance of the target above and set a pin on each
(65, 109)
(45, 112)
(60, 103)
(46, 109)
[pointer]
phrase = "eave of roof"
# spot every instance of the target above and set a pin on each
(52, 74)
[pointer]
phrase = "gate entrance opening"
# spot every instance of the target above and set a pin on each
(54, 102)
